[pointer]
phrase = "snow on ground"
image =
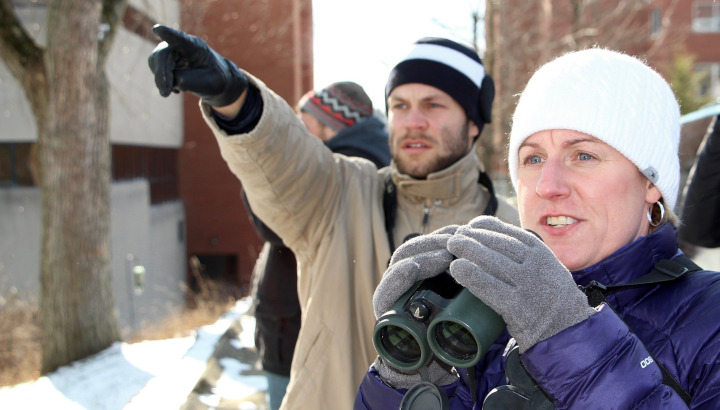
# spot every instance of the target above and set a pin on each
(157, 374)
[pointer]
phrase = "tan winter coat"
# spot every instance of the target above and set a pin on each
(328, 210)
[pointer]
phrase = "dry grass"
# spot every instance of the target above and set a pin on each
(203, 307)
(19, 339)
(20, 333)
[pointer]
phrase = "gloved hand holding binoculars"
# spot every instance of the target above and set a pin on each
(420, 258)
(448, 295)
(519, 277)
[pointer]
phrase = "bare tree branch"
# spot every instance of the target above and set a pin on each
(23, 57)
(112, 14)
(661, 40)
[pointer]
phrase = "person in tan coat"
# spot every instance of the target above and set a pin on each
(341, 115)
(341, 216)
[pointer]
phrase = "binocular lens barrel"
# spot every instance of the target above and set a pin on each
(455, 340)
(462, 332)
(436, 317)
(400, 344)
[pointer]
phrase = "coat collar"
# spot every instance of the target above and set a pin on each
(633, 260)
(447, 184)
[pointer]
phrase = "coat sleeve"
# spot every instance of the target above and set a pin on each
(701, 206)
(293, 182)
(262, 230)
(599, 363)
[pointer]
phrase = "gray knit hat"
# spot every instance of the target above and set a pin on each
(338, 105)
(613, 97)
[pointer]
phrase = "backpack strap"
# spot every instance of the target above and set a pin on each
(390, 203)
(492, 205)
(390, 209)
(665, 270)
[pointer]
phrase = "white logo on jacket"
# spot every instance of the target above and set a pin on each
(646, 362)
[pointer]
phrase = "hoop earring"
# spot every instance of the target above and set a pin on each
(662, 213)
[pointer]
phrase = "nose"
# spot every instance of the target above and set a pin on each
(553, 180)
(415, 119)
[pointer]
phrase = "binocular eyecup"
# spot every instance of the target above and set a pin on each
(437, 317)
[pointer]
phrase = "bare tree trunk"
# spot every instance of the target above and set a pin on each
(77, 301)
(68, 93)
(485, 148)
(486, 145)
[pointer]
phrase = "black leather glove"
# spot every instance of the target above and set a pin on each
(182, 62)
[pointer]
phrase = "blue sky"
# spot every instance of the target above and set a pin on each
(361, 40)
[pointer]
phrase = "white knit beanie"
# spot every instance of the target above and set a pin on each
(613, 97)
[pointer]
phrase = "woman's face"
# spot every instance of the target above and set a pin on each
(583, 197)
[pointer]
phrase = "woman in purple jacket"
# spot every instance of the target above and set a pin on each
(605, 311)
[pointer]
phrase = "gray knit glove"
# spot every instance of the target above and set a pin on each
(439, 373)
(518, 276)
(420, 258)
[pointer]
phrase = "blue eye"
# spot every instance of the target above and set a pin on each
(585, 157)
(534, 160)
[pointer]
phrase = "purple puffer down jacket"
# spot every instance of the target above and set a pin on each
(602, 362)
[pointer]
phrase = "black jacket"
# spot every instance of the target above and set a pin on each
(275, 300)
(366, 139)
(700, 215)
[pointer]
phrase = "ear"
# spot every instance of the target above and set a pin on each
(473, 131)
(327, 133)
(652, 193)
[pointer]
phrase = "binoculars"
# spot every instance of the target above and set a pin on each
(436, 316)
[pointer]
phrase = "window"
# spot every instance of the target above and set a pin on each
(709, 79)
(655, 21)
(706, 17)
(15, 164)
(157, 165)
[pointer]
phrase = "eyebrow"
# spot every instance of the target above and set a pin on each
(430, 97)
(567, 143)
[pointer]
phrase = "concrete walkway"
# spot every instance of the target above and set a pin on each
(231, 359)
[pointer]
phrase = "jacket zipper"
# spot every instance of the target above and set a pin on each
(426, 217)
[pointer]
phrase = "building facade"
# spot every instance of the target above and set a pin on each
(273, 41)
(173, 200)
(521, 36)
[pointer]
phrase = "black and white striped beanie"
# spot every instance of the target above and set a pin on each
(451, 67)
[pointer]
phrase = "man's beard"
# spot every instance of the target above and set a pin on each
(456, 147)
